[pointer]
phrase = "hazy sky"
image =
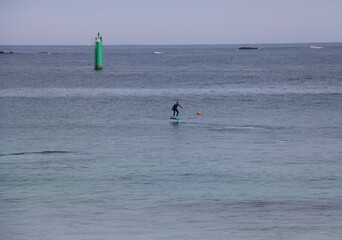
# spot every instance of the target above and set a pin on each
(70, 22)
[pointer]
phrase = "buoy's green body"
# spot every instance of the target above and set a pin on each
(98, 52)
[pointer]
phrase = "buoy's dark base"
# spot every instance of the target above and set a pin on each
(98, 67)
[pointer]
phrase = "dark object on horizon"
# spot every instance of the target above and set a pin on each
(1, 52)
(248, 48)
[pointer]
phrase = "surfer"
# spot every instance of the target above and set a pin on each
(175, 110)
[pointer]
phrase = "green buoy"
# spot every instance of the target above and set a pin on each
(98, 52)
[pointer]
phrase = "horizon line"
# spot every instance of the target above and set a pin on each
(175, 44)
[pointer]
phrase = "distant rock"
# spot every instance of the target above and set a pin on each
(248, 48)
(2, 52)
(44, 53)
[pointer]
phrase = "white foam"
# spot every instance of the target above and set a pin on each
(314, 47)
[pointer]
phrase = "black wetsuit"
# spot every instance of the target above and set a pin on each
(175, 110)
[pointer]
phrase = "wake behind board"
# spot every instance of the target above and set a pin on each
(176, 118)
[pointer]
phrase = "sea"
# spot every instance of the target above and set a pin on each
(93, 155)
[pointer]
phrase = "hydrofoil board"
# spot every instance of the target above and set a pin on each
(176, 118)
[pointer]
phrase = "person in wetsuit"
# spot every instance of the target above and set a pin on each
(175, 110)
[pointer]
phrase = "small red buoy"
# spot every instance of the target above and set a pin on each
(198, 113)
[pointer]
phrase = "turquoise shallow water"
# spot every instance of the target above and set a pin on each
(93, 155)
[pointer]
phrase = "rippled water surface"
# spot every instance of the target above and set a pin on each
(90, 154)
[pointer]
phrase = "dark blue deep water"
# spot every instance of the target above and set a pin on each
(90, 154)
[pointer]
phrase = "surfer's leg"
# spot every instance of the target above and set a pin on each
(177, 112)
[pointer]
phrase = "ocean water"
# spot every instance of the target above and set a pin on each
(90, 154)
